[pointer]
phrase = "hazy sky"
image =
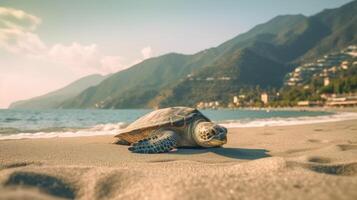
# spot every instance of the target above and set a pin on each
(45, 45)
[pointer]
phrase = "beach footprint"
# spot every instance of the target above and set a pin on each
(318, 159)
(116, 183)
(18, 164)
(292, 151)
(344, 169)
(319, 129)
(316, 165)
(347, 147)
(45, 183)
(317, 141)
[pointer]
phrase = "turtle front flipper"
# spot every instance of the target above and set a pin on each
(162, 141)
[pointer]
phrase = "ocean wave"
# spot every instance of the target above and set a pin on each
(112, 129)
(10, 119)
(100, 129)
(279, 121)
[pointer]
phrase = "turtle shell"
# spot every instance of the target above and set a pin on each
(175, 116)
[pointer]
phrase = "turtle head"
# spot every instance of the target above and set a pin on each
(208, 134)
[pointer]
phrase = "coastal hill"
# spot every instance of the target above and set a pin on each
(263, 56)
(260, 58)
(55, 98)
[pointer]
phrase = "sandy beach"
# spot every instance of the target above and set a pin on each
(315, 161)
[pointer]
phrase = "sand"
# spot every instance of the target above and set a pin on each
(316, 161)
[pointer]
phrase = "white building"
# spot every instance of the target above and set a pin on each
(264, 98)
(326, 81)
(235, 100)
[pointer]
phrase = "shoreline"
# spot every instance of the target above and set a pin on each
(112, 129)
(297, 108)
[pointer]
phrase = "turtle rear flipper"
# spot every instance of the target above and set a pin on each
(163, 141)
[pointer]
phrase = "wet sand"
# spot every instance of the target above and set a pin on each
(316, 161)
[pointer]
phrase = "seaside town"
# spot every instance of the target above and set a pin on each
(319, 78)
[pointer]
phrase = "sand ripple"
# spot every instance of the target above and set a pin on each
(265, 177)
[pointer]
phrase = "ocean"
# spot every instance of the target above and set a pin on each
(19, 124)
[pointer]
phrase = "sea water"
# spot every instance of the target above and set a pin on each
(19, 124)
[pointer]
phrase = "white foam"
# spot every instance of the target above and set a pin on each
(112, 129)
(100, 129)
(278, 121)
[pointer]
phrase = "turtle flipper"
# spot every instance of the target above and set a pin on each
(161, 142)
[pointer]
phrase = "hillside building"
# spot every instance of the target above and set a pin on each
(264, 97)
(326, 81)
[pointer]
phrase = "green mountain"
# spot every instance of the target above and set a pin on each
(341, 24)
(226, 78)
(55, 98)
(260, 57)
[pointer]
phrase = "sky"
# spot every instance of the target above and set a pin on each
(45, 45)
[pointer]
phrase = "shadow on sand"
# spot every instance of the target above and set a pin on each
(236, 153)
(47, 184)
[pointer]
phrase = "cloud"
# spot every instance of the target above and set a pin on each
(21, 42)
(18, 36)
(79, 57)
(37, 62)
(15, 32)
(86, 58)
(17, 19)
(146, 52)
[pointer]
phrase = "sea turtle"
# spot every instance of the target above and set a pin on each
(168, 128)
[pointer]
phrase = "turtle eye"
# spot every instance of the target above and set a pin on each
(179, 123)
(213, 132)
